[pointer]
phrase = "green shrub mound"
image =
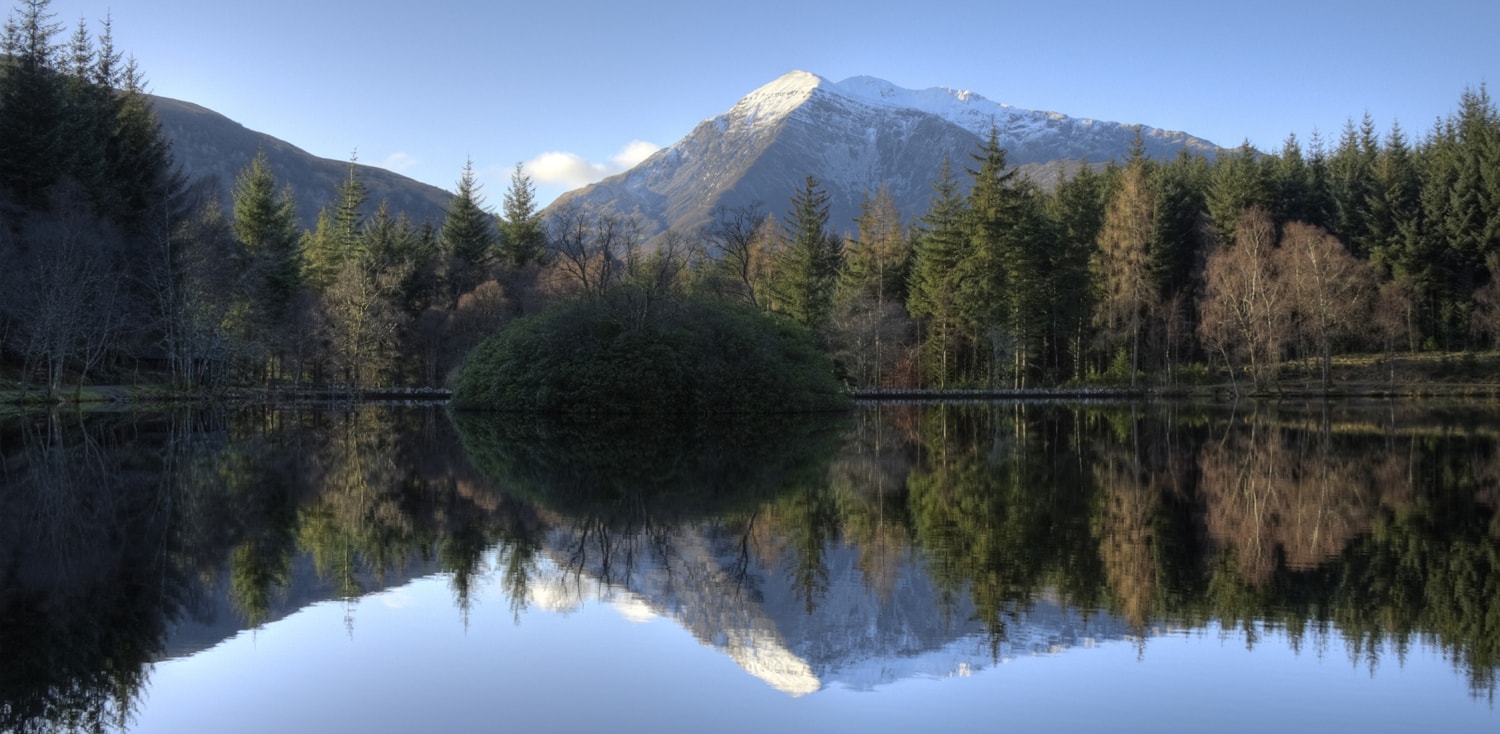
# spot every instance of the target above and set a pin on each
(691, 357)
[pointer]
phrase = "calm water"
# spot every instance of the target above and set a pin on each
(993, 567)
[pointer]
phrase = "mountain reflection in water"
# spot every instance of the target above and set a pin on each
(852, 551)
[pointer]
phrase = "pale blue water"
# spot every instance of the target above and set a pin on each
(906, 568)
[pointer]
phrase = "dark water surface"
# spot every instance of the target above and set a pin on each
(992, 567)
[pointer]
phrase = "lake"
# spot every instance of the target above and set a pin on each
(988, 566)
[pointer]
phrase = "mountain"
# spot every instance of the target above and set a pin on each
(855, 632)
(853, 136)
(208, 144)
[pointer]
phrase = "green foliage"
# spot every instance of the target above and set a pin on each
(265, 223)
(695, 357)
(523, 238)
(468, 233)
(940, 245)
(806, 272)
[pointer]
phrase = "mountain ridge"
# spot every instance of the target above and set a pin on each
(208, 145)
(854, 136)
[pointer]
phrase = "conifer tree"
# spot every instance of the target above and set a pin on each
(1179, 188)
(265, 223)
(1394, 206)
(807, 271)
(467, 235)
(1077, 208)
(1238, 184)
(468, 232)
(337, 238)
(1123, 263)
(31, 99)
(1350, 179)
(1004, 284)
(523, 236)
(940, 245)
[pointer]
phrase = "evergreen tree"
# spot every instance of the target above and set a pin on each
(1394, 206)
(338, 236)
(807, 270)
(1004, 283)
(1237, 184)
(1290, 182)
(1350, 179)
(523, 237)
(468, 234)
(140, 161)
(1180, 205)
(265, 223)
(1077, 208)
(32, 105)
(940, 245)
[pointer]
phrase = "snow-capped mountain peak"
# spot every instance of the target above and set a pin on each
(854, 136)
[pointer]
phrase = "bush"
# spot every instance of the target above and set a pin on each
(693, 357)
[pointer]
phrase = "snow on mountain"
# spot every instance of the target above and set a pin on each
(846, 634)
(853, 136)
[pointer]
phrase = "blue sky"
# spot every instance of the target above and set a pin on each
(581, 88)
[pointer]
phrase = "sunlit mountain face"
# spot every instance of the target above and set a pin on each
(855, 137)
(869, 553)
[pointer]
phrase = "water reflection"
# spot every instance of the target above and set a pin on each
(900, 541)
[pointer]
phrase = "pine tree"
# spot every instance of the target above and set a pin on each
(338, 236)
(265, 223)
(140, 164)
(1077, 208)
(1394, 206)
(940, 245)
(1180, 205)
(1237, 184)
(1003, 284)
(1290, 182)
(1350, 179)
(468, 234)
(523, 238)
(32, 106)
(807, 271)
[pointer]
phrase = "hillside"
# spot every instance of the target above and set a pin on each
(208, 144)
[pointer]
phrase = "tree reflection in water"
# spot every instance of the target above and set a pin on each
(879, 534)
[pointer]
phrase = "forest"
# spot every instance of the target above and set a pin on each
(115, 269)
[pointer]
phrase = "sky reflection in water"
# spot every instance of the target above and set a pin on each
(909, 568)
(411, 665)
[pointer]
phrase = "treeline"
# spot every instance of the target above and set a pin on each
(1147, 270)
(1154, 270)
(1148, 267)
(113, 264)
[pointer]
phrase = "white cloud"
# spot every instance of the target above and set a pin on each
(633, 153)
(566, 169)
(573, 170)
(398, 162)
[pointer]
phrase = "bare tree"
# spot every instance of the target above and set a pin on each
(1332, 291)
(1245, 316)
(64, 301)
(363, 320)
(733, 242)
(590, 249)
